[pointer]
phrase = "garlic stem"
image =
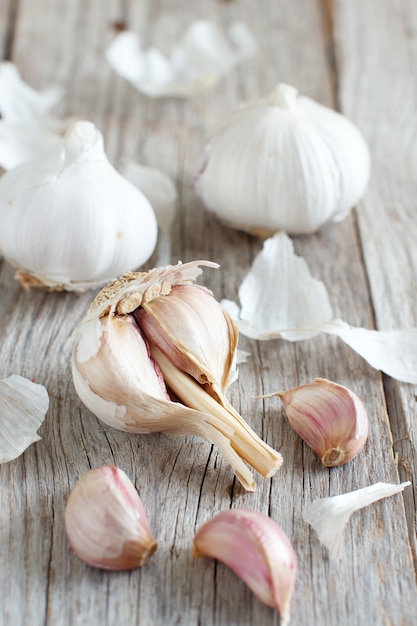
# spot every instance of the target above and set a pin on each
(285, 97)
(245, 442)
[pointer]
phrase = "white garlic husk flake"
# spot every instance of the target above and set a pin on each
(283, 162)
(23, 406)
(70, 221)
(156, 353)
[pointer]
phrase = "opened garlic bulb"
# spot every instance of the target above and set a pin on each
(106, 522)
(70, 221)
(156, 353)
(284, 162)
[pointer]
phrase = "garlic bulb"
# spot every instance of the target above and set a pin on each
(282, 163)
(156, 353)
(70, 221)
(106, 522)
(257, 550)
(329, 417)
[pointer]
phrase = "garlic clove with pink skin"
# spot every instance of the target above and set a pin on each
(257, 550)
(329, 417)
(106, 523)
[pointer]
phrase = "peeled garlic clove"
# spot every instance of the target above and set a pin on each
(329, 417)
(257, 550)
(127, 378)
(282, 163)
(106, 522)
(70, 221)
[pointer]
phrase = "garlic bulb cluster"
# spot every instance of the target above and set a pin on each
(284, 162)
(106, 522)
(156, 353)
(70, 221)
(329, 417)
(257, 550)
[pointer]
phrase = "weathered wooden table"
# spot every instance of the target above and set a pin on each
(359, 57)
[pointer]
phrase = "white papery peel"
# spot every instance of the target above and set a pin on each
(203, 55)
(329, 516)
(23, 405)
(26, 128)
(161, 192)
(280, 298)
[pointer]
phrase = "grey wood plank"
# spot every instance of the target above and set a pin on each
(185, 481)
(378, 90)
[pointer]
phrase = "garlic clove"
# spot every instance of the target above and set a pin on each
(329, 417)
(329, 516)
(128, 382)
(106, 522)
(257, 550)
(23, 406)
(70, 221)
(283, 162)
(206, 354)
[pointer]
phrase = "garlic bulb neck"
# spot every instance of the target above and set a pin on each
(285, 97)
(83, 142)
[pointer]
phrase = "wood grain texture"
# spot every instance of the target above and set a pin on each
(184, 481)
(378, 90)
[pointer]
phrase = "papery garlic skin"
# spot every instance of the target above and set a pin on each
(23, 406)
(257, 550)
(329, 516)
(106, 522)
(330, 418)
(123, 376)
(70, 221)
(282, 163)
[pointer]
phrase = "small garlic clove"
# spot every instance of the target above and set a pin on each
(130, 383)
(106, 522)
(257, 550)
(329, 417)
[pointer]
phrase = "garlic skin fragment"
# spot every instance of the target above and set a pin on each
(283, 162)
(26, 127)
(257, 550)
(329, 516)
(23, 406)
(202, 56)
(329, 417)
(106, 523)
(171, 373)
(70, 221)
(297, 307)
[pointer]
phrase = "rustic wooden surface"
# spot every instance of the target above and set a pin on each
(359, 57)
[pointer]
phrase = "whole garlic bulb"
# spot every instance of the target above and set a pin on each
(70, 221)
(284, 162)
